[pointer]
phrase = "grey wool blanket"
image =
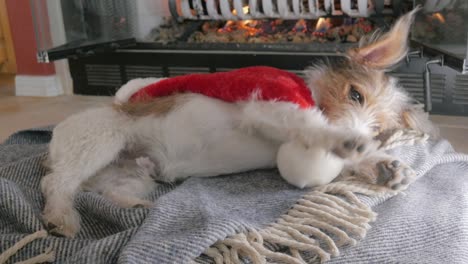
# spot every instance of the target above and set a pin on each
(252, 217)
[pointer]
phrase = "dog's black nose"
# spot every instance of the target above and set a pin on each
(350, 144)
(361, 148)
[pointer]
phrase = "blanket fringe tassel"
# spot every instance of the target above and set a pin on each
(47, 256)
(316, 227)
(319, 223)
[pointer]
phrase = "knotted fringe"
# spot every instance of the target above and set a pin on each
(404, 137)
(314, 229)
(47, 256)
(318, 224)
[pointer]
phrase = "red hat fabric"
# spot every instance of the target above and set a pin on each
(259, 82)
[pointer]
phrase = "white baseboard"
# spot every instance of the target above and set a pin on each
(30, 85)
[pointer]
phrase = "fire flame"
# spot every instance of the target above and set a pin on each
(245, 10)
(247, 25)
(439, 17)
(323, 24)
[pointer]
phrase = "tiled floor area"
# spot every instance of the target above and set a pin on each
(25, 112)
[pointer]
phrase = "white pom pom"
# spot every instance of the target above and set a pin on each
(307, 167)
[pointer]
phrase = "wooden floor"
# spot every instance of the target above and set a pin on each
(25, 112)
(18, 113)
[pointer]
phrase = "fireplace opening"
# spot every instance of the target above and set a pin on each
(267, 31)
(294, 25)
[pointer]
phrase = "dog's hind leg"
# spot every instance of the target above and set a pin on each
(81, 146)
(126, 182)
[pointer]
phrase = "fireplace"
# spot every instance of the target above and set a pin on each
(257, 24)
(108, 42)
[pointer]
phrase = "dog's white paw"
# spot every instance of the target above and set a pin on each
(394, 174)
(62, 222)
(352, 145)
(387, 172)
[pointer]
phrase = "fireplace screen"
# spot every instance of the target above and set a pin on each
(108, 42)
(86, 27)
(442, 28)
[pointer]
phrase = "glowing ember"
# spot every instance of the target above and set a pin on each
(250, 27)
(364, 25)
(439, 17)
(247, 27)
(301, 26)
(282, 31)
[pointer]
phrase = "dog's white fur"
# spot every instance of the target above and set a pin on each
(198, 137)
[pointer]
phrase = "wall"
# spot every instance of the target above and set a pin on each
(7, 53)
(22, 29)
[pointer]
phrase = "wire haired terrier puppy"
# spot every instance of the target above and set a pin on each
(125, 146)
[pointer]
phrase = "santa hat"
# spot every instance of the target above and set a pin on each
(258, 82)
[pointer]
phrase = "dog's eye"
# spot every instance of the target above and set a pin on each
(355, 95)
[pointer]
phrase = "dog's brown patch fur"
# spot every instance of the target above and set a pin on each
(151, 106)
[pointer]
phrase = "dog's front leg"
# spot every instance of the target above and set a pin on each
(284, 122)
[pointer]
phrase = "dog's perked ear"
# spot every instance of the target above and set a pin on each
(382, 52)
